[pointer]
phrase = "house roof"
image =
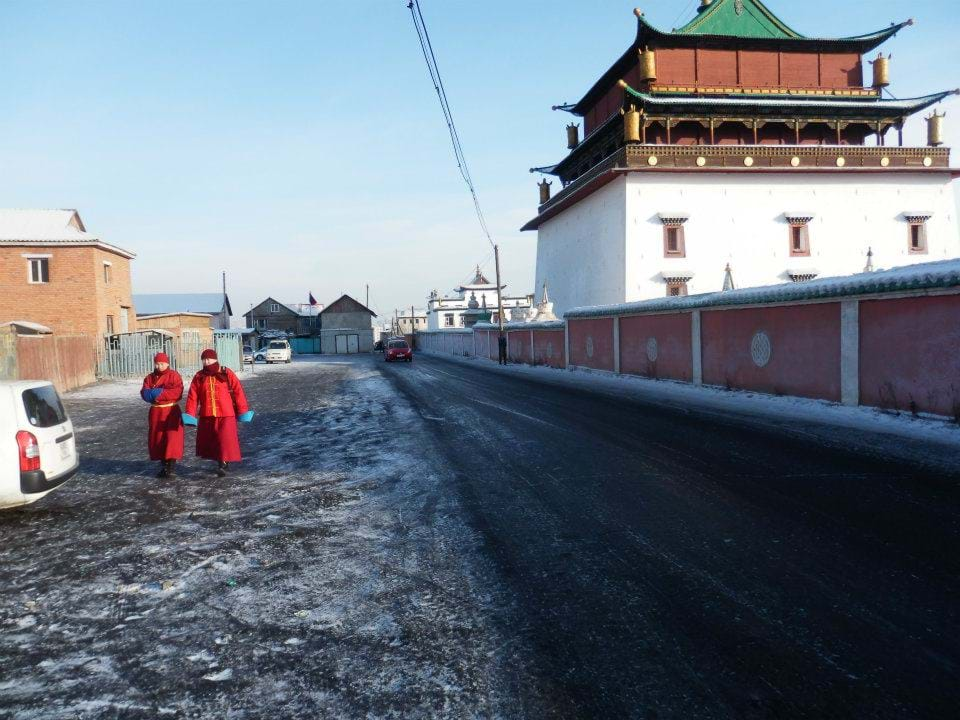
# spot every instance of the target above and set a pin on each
(172, 303)
(173, 314)
(343, 304)
(26, 327)
(746, 18)
(49, 227)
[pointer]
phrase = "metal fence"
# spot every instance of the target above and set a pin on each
(130, 356)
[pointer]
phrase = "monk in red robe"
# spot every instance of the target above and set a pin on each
(163, 389)
(215, 403)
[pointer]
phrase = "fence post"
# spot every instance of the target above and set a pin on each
(616, 343)
(696, 352)
(850, 352)
(566, 343)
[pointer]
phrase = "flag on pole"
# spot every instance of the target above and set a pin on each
(313, 300)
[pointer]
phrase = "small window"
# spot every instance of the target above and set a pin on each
(676, 289)
(274, 307)
(448, 320)
(109, 324)
(673, 241)
(799, 239)
(107, 273)
(39, 270)
(918, 238)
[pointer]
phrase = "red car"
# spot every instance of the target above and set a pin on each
(398, 350)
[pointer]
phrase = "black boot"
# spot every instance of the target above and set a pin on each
(171, 468)
(222, 469)
(163, 469)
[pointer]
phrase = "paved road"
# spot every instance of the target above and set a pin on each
(671, 563)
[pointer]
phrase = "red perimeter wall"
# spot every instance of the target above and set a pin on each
(910, 353)
(518, 346)
(591, 343)
(674, 346)
(548, 348)
(805, 355)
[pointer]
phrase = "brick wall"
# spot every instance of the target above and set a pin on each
(77, 299)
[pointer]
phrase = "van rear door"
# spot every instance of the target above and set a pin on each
(47, 420)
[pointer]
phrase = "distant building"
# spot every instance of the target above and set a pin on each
(216, 305)
(190, 327)
(272, 316)
(406, 324)
(346, 327)
(446, 313)
(55, 273)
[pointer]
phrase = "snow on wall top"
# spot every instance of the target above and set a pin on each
(923, 276)
(532, 325)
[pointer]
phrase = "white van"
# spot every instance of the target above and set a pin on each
(38, 451)
(278, 351)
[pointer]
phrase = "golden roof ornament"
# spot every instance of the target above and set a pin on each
(573, 136)
(881, 70)
(935, 128)
(544, 186)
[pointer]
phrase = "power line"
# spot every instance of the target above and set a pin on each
(426, 46)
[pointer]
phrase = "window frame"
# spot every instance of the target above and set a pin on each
(681, 241)
(43, 269)
(680, 286)
(921, 226)
(274, 307)
(449, 319)
(107, 273)
(111, 330)
(804, 228)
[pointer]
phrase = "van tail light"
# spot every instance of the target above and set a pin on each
(29, 451)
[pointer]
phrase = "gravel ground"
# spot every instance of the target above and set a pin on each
(331, 575)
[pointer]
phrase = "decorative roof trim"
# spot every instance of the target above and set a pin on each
(677, 275)
(917, 215)
(799, 216)
(673, 218)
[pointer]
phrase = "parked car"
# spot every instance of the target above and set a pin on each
(38, 451)
(398, 350)
(278, 351)
(247, 354)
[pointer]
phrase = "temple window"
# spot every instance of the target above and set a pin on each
(917, 232)
(799, 233)
(676, 289)
(674, 242)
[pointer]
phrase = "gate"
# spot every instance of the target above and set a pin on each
(305, 345)
(131, 355)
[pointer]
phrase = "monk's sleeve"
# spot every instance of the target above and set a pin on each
(240, 405)
(191, 407)
(172, 392)
(147, 385)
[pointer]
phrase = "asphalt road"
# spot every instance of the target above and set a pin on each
(671, 563)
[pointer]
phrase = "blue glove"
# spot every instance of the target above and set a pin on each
(246, 417)
(189, 419)
(150, 395)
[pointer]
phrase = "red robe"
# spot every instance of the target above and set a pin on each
(216, 399)
(165, 431)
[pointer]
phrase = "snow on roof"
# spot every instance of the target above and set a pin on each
(53, 227)
(172, 303)
(172, 314)
(922, 276)
(520, 325)
(28, 325)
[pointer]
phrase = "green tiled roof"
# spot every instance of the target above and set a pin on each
(738, 18)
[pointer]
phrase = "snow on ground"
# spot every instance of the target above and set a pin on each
(871, 428)
(331, 576)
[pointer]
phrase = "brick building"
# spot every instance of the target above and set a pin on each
(53, 272)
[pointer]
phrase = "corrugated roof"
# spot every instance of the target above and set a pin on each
(164, 303)
(49, 227)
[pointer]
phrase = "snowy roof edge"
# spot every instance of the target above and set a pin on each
(532, 325)
(923, 276)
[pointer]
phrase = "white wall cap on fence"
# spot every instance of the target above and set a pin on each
(943, 274)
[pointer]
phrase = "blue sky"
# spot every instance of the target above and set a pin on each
(299, 146)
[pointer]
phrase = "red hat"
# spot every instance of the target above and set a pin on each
(208, 354)
(161, 357)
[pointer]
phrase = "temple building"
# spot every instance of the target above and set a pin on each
(735, 152)
(447, 312)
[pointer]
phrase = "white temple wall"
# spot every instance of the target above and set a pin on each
(608, 248)
(580, 252)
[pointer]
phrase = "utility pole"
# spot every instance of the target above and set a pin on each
(496, 258)
(368, 294)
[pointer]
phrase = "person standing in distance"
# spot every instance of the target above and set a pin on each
(163, 389)
(215, 403)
